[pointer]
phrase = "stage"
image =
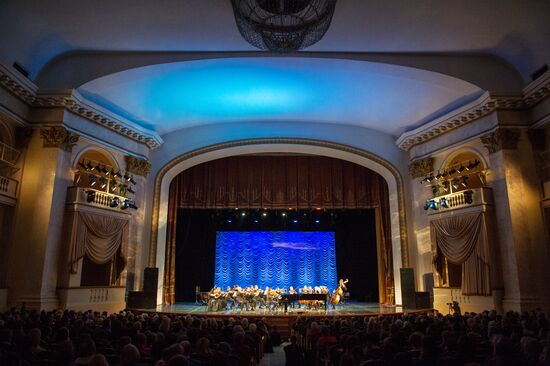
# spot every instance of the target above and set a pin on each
(345, 310)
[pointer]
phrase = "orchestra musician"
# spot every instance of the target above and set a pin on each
(338, 293)
(253, 297)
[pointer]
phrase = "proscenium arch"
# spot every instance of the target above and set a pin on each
(390, 173)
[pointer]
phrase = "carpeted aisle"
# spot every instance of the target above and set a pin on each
(277, 358)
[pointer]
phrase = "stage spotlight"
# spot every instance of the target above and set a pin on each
(98, 168)
(256, 221)
(452, 171)
(117, 174)
(90, 196)
(464, 181)
(129, 204)
(469, 197)
(78, 178)
(82, 165)
(283, 214)
(229, 221)
(264, 214)
(92, 180)
(435, 190)
(89, 166)
(439, 175)
(429, 179)
(115, 201)
(430, 204)
(317, 221)
(113, 187)
(443, 202)
(131, 190)
(295, 221)
(132, 180)
(472, 164)
(102, 182)
(455, 184)
(122, 189)
(446, 186)
(461, 169)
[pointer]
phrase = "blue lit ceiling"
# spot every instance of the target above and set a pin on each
(388, 98)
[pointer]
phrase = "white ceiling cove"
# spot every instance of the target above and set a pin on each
(387, 98)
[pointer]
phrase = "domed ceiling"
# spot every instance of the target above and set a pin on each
(173, 96)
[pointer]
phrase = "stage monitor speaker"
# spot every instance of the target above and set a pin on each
(407, 288)
(422, 300)
(150, 279)
(428, 280)
(141, 300)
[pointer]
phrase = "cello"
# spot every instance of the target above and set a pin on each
(338, 293)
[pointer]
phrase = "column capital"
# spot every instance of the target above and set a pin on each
(58, 136)
(501, 139)
(137, 166)
(419, 168)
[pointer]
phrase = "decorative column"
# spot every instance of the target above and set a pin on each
(39, 219)
(418, 169)
(519, 221)
(139, 168)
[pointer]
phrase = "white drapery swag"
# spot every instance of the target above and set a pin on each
(463, 240)
(99, 237)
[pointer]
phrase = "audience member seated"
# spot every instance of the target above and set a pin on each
(294, 353)
(98, 339)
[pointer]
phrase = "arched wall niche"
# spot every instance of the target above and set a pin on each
(463, 157)
(6, 133)
(95, 153)
(452, 156)
(280, 145)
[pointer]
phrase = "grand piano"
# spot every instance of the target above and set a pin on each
(287, 299)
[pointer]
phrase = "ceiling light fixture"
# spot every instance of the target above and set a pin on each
(283, 25)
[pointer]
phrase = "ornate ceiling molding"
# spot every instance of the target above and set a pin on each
(22, 88)
(27, 91)
(485, 104)
(72, 101)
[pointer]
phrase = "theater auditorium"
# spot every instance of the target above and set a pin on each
(265, 182)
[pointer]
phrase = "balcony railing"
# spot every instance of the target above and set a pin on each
(462, 199)
(92, 197)
(8, 155)
(101, 298)
(8, 187)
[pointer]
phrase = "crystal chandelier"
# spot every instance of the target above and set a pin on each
(283, 25)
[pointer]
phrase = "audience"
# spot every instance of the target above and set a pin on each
(127, 339)
(425, 339)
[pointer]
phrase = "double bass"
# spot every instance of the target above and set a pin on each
(338, 293)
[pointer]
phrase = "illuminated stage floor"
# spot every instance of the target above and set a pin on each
(348, 309)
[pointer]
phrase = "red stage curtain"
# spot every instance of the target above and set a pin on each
(276, 182)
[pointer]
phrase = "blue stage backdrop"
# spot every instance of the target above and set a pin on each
(275, 259)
